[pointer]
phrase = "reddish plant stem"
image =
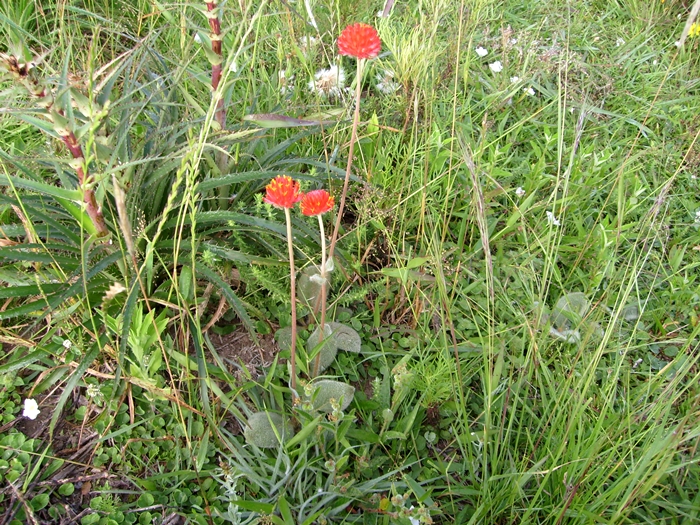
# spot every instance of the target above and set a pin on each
(85, 181)
(348, 169)
(292, 279)
(215, 26)
(69, 139)
(324, 274)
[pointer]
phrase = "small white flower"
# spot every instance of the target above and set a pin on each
(93, 391)
(677, 43)
(413, 520)
(697, 216)
(514, 80)
(233, 68)
(380, 14)
(385, 82)
(328, 82)
(551, 219)
(482, 52)
(31, 409)
(284, 82)
(619, 42)
(520, 192)
(513, 41)
(496, 66)
(197, 38)
(655, 62)
(306, 43)
(529, 91)
(67, 344)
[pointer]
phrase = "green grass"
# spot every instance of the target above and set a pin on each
(518, 257)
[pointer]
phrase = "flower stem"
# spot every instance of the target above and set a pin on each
(292, 280)
(348, 169)
(324, 283)
(215, 36)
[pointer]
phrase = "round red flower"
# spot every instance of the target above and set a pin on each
(316, 202)
(282, 192)
(359, 41)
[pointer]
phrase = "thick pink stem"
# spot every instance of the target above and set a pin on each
(85, 181)
(215, 26)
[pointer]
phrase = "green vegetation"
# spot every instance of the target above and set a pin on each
(512, 322)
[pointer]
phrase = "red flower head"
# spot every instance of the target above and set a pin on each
(282, 192)
(359, 41)
(316, 202)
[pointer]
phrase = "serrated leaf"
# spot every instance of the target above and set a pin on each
(346, 337)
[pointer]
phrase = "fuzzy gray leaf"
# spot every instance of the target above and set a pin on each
(328, 349)
(569, 311)
(346, 338)
(309, 287)
(266, 429)
(283, 336)
(326, 389)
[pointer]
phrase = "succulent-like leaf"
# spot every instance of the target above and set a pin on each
(267, 430)
(327, 389)
(328, 349)
(346, 338)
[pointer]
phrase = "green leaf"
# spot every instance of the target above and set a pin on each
(285, 511)
(392, 434)
(308, 429)
(254, 506)
(72, 382)
(233, 300)
(273, 120)
(185, 282)
(40, 501)
(24, 361)
(66, 489)
(39, 187)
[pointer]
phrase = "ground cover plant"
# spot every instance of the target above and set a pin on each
(242, 285)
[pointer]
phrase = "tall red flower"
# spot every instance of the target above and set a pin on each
(282, 192)
(359, 41)
(316, 202)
